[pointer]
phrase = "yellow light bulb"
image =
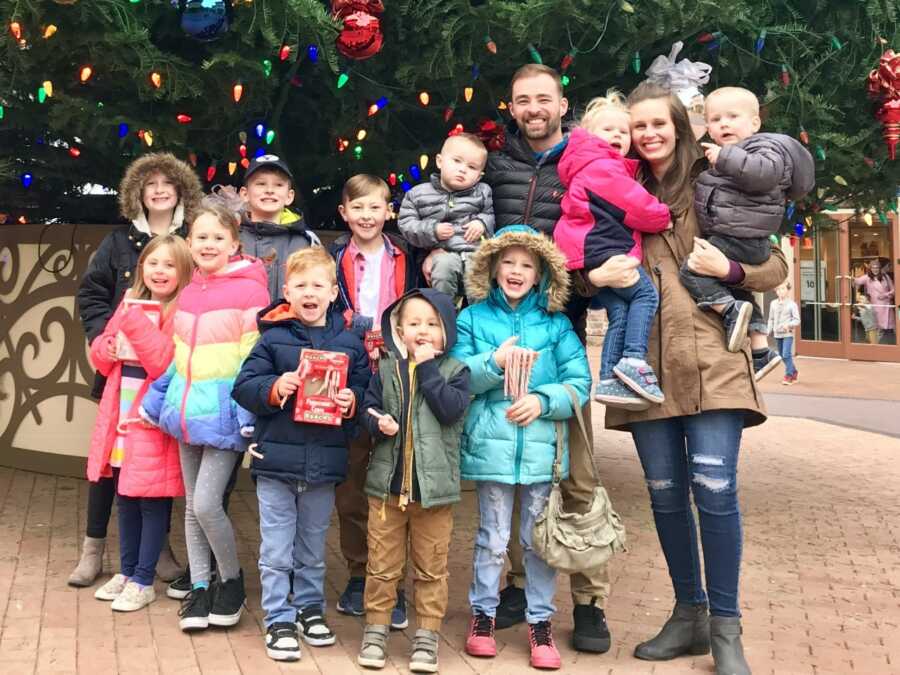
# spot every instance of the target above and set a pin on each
(361, 135)
(50, 31)
(868, 218)
(468, 92)
(48, 87)
(423, 161)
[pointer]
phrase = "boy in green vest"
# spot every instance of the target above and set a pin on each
(414, 409)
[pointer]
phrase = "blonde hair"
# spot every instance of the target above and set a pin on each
(744, 96)
(614, 100)
(184, 266)
(308, 258)
(226, 216)
(363, 184)
(469, 138)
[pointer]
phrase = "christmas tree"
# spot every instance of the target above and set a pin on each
(87, 86)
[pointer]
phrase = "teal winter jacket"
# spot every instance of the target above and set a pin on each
(492, 448)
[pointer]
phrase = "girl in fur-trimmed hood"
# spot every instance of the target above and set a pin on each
(138, 203)
(520, 284)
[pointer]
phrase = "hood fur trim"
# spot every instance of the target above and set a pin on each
(190, 190)
(555, 279)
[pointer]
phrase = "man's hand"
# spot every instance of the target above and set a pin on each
(443, 231)
(620, 271)
(287, 384)
(474, 229)
(345, 399)
(425, 352)
(708, 261)
(386, 424)
(711, 150)
(524, 411)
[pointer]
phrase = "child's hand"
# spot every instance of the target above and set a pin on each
(443, 231)
(474, 229)
(287, 384)
(524, 411)
(711, 150)
(425, 352)
(670, 225)
(503, 351)
(375, 354)
(112, 349)
(386, 424)
(345, 399)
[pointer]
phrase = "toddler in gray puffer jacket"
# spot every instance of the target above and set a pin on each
(451, 213)
(739, 203)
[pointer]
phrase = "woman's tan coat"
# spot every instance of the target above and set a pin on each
(687, 345)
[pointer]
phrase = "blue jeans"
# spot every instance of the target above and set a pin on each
(495, 504)
(785, 347)
(630, 312)
(293, 522)
(143, 525)
(699, 454)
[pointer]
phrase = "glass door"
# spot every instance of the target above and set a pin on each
(820, 290)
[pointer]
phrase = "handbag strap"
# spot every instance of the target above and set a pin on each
(560, 443)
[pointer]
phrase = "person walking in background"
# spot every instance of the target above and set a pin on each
(784, 317)
(879, 288)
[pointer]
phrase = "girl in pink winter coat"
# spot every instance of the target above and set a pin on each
(143, 459)
(604, 212)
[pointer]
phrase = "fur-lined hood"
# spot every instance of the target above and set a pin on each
(190, 190)
(554, 285)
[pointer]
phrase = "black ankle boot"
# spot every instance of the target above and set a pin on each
(686, 632)
(727, 650)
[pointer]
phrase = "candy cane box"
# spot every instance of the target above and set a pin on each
(153, 311)
(323, 375)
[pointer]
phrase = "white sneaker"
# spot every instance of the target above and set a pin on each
(112, 588)
(134, 597)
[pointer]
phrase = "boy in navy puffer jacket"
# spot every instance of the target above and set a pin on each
(296, 466)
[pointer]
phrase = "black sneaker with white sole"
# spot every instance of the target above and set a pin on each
(194, 612)
(765, 363)
(282, 641)
(180, 587)
(228, 601)
(311, 622)
(737, 320)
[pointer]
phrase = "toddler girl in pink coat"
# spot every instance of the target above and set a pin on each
(144, 458)
(604, 212)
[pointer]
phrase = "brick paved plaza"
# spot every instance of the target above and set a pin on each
(821, 575)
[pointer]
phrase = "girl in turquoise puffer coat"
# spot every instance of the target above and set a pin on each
(520, 281)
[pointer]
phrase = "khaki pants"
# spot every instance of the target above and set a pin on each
(577, 491)
(353, 506)
(428, 533)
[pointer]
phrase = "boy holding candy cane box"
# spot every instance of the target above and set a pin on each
(296, 466)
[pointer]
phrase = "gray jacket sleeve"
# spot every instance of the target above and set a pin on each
(757, 168)
(417, 231)
(486, 213)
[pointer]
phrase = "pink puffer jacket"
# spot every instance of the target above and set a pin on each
(151, 466)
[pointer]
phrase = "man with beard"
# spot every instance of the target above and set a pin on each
(526, 187)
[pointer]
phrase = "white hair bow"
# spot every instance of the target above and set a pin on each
(683, 78)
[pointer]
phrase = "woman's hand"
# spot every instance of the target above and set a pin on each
(524, 411)
(707, 260)
(620, 271)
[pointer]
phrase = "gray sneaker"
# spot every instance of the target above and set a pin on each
(424, 657)
(373, 651)
(640, 378)
(616, 395)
